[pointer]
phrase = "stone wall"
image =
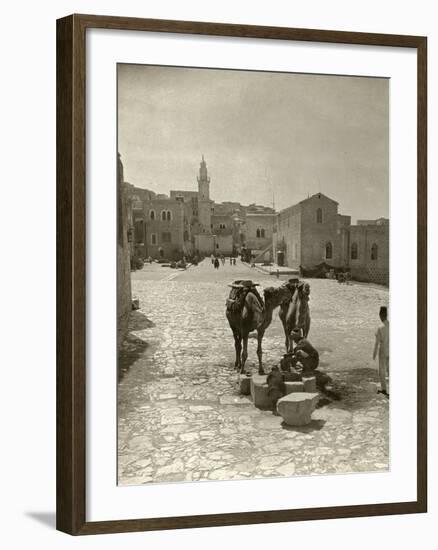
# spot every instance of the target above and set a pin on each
(221, 224)
(371, 275)
(164, 237)
(205, 244)
(316, 235)
(254, 224)
(288, 236)
(304, 230)
(224, 244)
(369, 266)
(124, 297)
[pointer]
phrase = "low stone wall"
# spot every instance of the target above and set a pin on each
(371, 275)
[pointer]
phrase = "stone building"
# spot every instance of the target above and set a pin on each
(136, 197)
(124, 297)
(222, 227)
(191, 226)
(187, 217)
(193, 223)
(369, 251)
(258, 231)
(313, 232)
(167, 230)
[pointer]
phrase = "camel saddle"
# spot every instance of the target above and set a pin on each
(238, 293)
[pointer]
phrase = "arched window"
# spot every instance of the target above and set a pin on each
(163, 215)
(319, 215)
(258, 233)
(328, 251)
(262, 233)
(152, 214)
(354, 251)
(169, 215)
(374, 250)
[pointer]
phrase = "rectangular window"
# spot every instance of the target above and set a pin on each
(153, 238)
(166, 237)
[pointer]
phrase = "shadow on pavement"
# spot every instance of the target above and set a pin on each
(315, 425)
(133, 348)
(139, 321)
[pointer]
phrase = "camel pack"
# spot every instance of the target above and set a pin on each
(239, 291)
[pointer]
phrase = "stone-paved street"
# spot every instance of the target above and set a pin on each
(180, 416)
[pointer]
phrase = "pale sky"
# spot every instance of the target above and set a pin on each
(261, 133)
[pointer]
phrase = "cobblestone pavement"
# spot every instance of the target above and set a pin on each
(180, 416)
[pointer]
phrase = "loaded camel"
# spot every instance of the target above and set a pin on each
(295, 313)
(247, 311)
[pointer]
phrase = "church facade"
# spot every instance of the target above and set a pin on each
(312, 232)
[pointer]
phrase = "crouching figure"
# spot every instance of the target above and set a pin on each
(304, 352)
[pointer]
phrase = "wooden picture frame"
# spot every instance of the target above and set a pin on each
(71, 273)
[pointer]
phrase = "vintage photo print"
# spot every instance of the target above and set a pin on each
(252, 274)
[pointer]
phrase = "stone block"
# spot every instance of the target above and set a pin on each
(244, 383)
(310, 384)
(257, 379)
(292, 376)
(297, 408)
(293, 387)
(259, 392)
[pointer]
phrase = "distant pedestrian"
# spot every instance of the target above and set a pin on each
(231, 260)
(223, 259)
(234, 261)
(381, 347)
(216, 263)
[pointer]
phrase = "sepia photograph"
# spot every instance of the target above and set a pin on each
(253, 300)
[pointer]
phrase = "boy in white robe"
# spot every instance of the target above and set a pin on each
(381, 348)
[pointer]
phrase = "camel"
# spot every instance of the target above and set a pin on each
(247, 312)
(295, 312)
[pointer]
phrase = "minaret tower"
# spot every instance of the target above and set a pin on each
(204, 202)
(203, 182)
